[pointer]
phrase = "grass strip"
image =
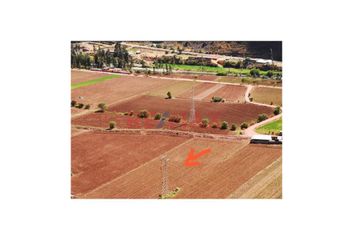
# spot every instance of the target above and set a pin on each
(93, 81)
(275, 126)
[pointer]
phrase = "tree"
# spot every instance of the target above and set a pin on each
(112, 124)
(244, 125)
(204, 122)
(73, 103)
(87, 106)
(169, 95)
(143, 114)
(255, 72)
(233, 127)
(277, 110)
(157, 116)
(224, 125)
(214, 125)
(102, 107)
(270, 74)
(262, 117)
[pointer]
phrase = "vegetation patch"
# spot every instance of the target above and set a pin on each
(272, 127)
(94, 81)
(171, 194)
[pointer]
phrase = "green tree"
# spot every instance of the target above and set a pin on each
(224, 125)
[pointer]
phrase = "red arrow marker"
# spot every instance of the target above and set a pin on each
(190, 160)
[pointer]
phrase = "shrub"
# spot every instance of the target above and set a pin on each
(112, 124)
(224, 125)
(270, 74)
(157, 116)
(87, 106)
(126, 114)
(276, 110)
(175, 118)
(255, 72)
(102, 107)
(244, 125)
(214, 125)
(131, 113)
(216, 99)
(251, 99)
(80, 105)
(169, 95)
(262, 117)
(204, 123)
(233, 127)
(73, 103)
(143, 114)
(221, 74)
(271, 103)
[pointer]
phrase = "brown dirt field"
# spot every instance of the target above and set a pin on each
(82, 76)
(216, 112)
(98, 158)
(198, 89)
(103, 119)
(267, 95)
(117, 89)
(222, 171)
(231, 93)
(265, 184)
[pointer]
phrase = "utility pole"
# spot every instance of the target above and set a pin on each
(164, 170)
(192, 111)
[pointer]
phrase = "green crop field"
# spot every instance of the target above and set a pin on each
(93, 81)
(275, 127)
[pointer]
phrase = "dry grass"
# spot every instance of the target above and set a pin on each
(267, 95)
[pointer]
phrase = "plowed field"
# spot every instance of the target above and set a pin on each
(97, 158)
(231, 93)
(267, 95)
(216, 112)
(117, 89)
(222, 171)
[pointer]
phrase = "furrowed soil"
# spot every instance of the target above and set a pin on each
(97, 158)
(117, 89)
(198, 89)
(215, 112)
(225, 168)
(231, 93)
(102, 120)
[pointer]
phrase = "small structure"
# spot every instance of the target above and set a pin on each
(266, 139)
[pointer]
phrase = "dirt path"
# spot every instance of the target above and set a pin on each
(208, 92)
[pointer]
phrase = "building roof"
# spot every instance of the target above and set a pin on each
(261, 137)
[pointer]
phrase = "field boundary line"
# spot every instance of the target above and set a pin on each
(142, 165)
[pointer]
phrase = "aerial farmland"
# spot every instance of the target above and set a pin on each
(176, 120)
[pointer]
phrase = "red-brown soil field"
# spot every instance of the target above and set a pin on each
(82, 76)
(198, 89)
(102, 120)
(221, 172)
(117, 89)
(231, 93)
(216, 112)
(98, 158)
